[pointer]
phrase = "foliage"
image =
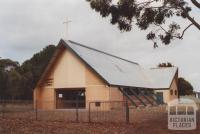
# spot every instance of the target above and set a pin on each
(148, 13)
(3, 81)
(185, 88)
(7, 62)
(19, 82)
(13, 85)
(33, 68)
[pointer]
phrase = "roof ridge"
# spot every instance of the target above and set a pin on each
(75, 43)
(154, 68)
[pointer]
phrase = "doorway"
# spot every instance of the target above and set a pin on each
(159, 97)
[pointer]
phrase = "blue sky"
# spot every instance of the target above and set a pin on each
(29, 25)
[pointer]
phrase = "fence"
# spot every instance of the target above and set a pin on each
(70, 111)
(108, 111)
(17, 109)
(78, 111)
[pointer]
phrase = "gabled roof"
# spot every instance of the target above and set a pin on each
(117, 71)
(161, 77)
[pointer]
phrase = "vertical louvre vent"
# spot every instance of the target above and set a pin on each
(49, 82)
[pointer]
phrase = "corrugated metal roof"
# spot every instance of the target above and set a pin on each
(161, 77)
(120, 72)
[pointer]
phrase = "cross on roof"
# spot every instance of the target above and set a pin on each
(67, 22)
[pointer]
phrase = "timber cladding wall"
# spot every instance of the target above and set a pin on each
(174, 88)
(70, 72)
(167, 96)
(115, 94)
(45, 98)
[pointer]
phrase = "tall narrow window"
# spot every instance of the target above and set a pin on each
(171, 92)
(175, 92)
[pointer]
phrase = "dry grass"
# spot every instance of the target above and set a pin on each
(148, 120)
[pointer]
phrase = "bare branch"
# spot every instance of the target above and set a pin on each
(145, 3)
(166, 7)
(189, 17)
(181, 37)
(175, 36)
(161, 27)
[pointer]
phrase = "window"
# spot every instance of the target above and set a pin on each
(97, 104)
(181, 110)
(175, 92)
(172, 110)
(190, 110)
(70, 98)
(171, 92)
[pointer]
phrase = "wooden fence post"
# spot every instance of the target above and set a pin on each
(89, 114)
(127, 112)
(4, 108)
(36, 111)
(77, 107)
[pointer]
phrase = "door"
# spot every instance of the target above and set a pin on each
(159, 97)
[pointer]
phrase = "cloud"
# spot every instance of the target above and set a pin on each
(28, 26)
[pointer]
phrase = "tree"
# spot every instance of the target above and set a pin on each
(3, 85)
(19, 82)
(7, 62)
(14, 90)
(4, 76)
(185, 87)
(146, 13)
(32, 69)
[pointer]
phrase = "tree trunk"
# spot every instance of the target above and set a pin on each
(189, 17)
(197, 4)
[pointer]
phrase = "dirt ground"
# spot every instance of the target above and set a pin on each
(143, 121)
(25, 126)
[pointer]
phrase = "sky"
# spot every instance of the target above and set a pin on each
(27, 26)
